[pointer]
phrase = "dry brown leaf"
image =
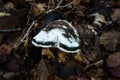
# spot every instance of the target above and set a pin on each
(29, 0)
(61, 56)
(26, 42)
(54, 77)
(78, 57)
(1, 37)
(95, 72)
(5, 49)
(38, 9)
(113, 63)
(17, 2)
(115, 71)
(113, 60)
(51, 4)
(116, 14)
(48, 52)
(15, 39)
(36, 26)
(15, 65)
(8, 22)
(87, 1)
(113, 78)
(42, 71)
(110, 40)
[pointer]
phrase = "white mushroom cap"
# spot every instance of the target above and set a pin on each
(58, 34)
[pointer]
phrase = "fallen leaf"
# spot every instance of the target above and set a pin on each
(42, 71)
(2, 14)
(110, 40)
(51, 4)
(113, 64)
(9, 5)
(67, 68)
(38, 9)
(113, 60)
(1, 37)
(61, 56)
(10, 75)
(54, 77)
(48, 53)
(3, 58)
(95, 72)
(8, 22)
(116, 14)
(15, 65)
(78, 57)
(5, 49)
(115, 71)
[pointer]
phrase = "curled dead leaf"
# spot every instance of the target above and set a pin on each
(38, 9)
(9, 6)
(2, 14)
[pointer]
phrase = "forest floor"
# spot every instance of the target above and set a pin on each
(97, 23)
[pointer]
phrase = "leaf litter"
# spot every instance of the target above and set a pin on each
(96, 21)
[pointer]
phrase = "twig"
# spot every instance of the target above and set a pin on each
(50, 10)
(59, 3)
(58, 6)
(10, 30)
(108, 25)
(5, 10)
(27, 33)
(68, 4)
(48, 5)
(97, 64)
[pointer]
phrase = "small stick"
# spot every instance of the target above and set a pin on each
(58, 6)
(5, 10)
(109, 24)
(59, 3)
(97, 64)
(10, 30)
(27, 33)
(48, 5)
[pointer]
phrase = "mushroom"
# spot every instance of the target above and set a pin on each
(58, 34)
